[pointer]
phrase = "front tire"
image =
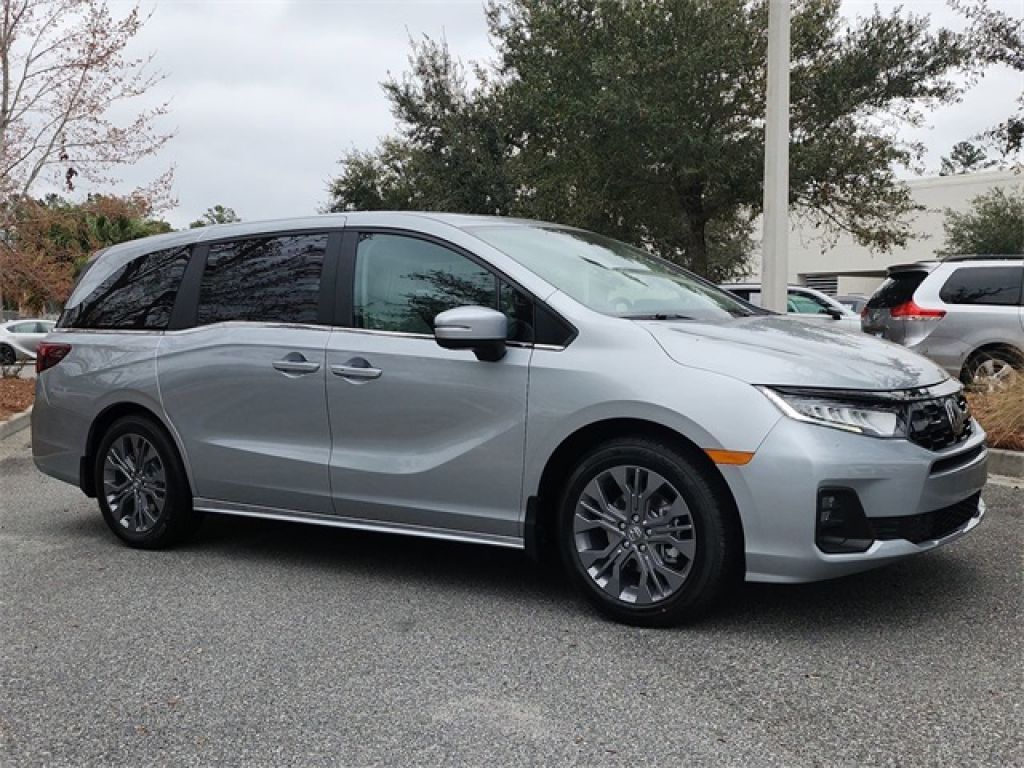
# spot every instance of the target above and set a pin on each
(7, 355)
(644, 534)
(141, 485)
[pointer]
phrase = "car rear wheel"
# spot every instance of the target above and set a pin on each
(992, 371)
(644, 535)
(141, 485)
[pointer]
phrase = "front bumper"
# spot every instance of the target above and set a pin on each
(777, 495)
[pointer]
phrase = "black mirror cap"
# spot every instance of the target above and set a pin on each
(488, 350)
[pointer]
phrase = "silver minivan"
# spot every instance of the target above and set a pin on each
(504, 382)
(965, 313)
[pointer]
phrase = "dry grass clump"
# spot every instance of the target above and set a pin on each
(1002, 414)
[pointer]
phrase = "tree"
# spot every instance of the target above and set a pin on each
(218, 214)
(52, 239)
(998, 38)
(993, 224)
(965, 158)
(65, 69)
(451, 151)
(644, 121)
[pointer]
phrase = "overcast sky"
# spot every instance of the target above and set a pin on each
(267, 94)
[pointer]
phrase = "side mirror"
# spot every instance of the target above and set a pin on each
(481, 329)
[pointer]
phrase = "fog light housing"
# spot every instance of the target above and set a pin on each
(841, 526)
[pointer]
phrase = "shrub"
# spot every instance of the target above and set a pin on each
(1002, 414)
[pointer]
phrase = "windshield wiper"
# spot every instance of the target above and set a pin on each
(657, 316)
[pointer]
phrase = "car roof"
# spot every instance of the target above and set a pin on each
(757, 286)
(19, 320)
(930, 265)
(398, 219)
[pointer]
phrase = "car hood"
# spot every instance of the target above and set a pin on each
(775, 350)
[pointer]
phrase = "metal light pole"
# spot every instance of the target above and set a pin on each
(775, 242)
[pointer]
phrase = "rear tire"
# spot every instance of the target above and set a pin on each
(644, 534)
(141, 485)
(992, 371)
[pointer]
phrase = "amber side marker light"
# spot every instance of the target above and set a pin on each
(735, 458)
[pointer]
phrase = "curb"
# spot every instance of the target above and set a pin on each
(16, 423)
(1006, 463)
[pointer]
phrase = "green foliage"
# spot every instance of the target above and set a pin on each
(218, 214)
(965, 158)
(451, 150)
(644, 120)
(993, 224)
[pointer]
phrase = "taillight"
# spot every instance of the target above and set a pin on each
(908, 310)
(49, 353)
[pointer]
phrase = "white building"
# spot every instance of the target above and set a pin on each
(842, 266)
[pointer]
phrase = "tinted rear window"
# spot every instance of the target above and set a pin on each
(983, 285)
(268, 280)
(137, 296)
(897, 289)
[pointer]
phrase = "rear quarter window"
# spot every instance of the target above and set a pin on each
(137, 296)
(999, 286)
(897, 289)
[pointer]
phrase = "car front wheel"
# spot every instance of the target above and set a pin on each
(645, 535)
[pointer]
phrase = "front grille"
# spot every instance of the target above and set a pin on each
(939, 423)
(930, 525)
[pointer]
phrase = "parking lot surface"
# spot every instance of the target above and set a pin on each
(282, 645)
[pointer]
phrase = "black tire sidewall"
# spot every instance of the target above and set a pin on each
(177, 515)
(7, 355)
(708, 574)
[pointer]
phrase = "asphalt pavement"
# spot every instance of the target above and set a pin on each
(277, 644)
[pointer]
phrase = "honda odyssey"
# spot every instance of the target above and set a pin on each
(504, 382)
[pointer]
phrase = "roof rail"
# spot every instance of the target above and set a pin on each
(980, 256)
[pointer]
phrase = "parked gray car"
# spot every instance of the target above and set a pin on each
(966, 314)
(19, 339)
(504, 382)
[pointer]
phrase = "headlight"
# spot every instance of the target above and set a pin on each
(860, 415)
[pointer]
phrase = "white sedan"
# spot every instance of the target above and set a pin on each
(19, 339)
(803, 303)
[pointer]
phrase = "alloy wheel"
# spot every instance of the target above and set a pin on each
(634, 535)
(994, 375)
(134, 483)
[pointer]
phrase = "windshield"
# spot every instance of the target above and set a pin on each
(612, 277)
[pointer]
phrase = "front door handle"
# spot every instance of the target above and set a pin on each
(356, 368)
(296, 365)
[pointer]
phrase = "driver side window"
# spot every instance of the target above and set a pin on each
(402, 283)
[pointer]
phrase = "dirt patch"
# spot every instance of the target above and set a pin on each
(15, 396)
